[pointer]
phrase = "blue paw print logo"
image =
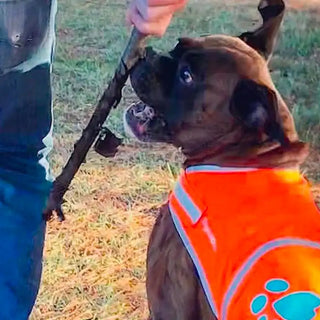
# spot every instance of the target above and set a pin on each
(300, 305)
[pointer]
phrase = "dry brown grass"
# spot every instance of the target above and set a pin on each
(303, 4)
(95, 260)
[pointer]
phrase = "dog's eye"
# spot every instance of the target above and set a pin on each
(186, 76)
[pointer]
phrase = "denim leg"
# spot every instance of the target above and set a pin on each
(22, 233)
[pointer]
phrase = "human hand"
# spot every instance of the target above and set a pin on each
(152, 17)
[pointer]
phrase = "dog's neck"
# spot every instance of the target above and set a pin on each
(269, 155)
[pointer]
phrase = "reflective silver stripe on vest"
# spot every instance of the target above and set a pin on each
(217, 169)
(186, 203)
(202, 275)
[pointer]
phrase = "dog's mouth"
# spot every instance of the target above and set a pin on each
(144, 123)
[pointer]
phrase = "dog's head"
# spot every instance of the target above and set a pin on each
(213, 93)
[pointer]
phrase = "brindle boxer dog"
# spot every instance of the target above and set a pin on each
(212, 97)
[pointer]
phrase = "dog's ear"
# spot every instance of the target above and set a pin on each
(256, 107)
(264, 38)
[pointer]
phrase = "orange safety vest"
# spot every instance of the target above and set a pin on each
(254, 238)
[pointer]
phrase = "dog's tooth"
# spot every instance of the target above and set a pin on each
(149, 112)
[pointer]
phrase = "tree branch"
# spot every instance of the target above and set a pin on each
(110, 99)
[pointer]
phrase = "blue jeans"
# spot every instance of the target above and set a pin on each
(25, 181)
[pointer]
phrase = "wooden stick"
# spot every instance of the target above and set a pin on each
(110, 99)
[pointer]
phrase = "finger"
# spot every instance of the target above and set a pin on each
(155, 13)
(156, 3)
(150, 13)
(157, 28)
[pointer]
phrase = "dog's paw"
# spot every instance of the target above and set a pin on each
(299, 305)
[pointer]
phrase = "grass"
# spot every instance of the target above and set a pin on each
(94, 262)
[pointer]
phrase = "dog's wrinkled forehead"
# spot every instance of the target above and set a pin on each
(220, 54)
(219, 44)
(211, 42)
